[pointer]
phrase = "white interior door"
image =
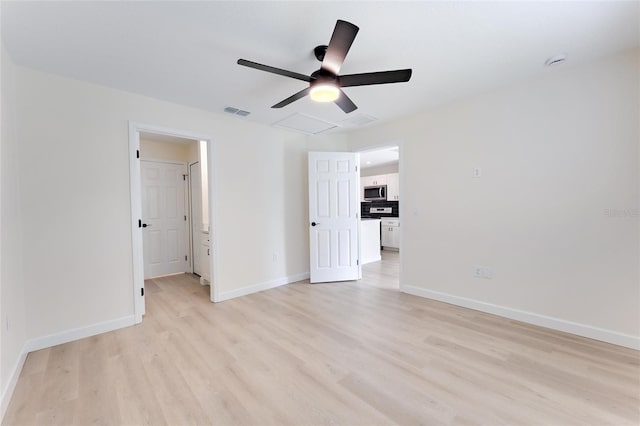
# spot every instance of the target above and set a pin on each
(333, 216)
(165, 238)
(196, 216)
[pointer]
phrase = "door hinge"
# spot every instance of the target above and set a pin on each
(184, 177)
(142, 291)
(137, 153)
(185, 218)
(185, 258)
(357, 261)
(356, 168)
(139, 223)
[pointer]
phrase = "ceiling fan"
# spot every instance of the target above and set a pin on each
(325, 85)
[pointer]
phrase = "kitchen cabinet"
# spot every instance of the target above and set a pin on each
(373, 180)
(204, 249)
(393, 187)
(369, 241)
(390, 233)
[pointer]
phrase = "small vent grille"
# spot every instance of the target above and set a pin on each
(236, 111)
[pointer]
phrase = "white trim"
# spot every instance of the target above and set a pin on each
(262, 286)
(78, 333)
(136, 214)
(579, 329)
(136, 208)
(214, 244)
(7, 392)
(402, 214)
(43, 342)
(153, 160)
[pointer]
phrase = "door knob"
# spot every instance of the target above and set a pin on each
(314, 223)
(144, 225)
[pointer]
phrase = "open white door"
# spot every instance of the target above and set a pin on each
(333, 216)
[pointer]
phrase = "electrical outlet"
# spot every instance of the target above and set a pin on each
(477, 172)
(477, 271)
(487, 272)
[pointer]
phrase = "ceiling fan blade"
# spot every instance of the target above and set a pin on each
(345, 103)
(292, 98)
(274, 70)
(343, 35)
(381, 77)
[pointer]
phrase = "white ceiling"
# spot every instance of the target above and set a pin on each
(379, 157)
(186, 52)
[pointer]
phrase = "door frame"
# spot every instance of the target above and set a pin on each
(192, 244)
(403, 213)
(135, 184)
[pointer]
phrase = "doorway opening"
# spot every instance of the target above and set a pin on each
(172, 206)
(380, 212)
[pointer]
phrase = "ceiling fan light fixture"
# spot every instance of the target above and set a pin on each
(324, 92)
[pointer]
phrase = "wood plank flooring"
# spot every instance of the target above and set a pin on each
(353, 353)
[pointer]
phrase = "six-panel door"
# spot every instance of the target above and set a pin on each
(165, 240)
(333, 216)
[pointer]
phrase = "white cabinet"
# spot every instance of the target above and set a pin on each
(393, 187)
(369, 241)
(390, 233)
(373, 180)
(204, 249)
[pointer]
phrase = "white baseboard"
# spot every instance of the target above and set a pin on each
(579, 329)
(78, 333)
(232, 294)
(53, 340)
(7, 392)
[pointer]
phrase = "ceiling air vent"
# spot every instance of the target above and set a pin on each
(236, 111)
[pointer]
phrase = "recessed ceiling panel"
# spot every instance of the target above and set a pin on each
(304, 124)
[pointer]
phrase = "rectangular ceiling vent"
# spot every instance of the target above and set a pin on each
(305, 124)
(236, 111)
(359, 120)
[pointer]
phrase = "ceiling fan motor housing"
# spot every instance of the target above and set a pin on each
(323, 76)
(319, 52)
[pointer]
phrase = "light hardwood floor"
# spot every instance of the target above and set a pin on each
(346, 353)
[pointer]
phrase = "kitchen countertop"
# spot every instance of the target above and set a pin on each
(378, 218)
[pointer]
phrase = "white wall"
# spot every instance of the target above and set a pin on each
(73, 140)
(555, 213)
(167, 151)
(385, 169)
(12, 303)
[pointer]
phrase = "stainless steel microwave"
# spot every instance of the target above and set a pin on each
(375, 193)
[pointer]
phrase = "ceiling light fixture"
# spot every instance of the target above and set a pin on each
(324, 92)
